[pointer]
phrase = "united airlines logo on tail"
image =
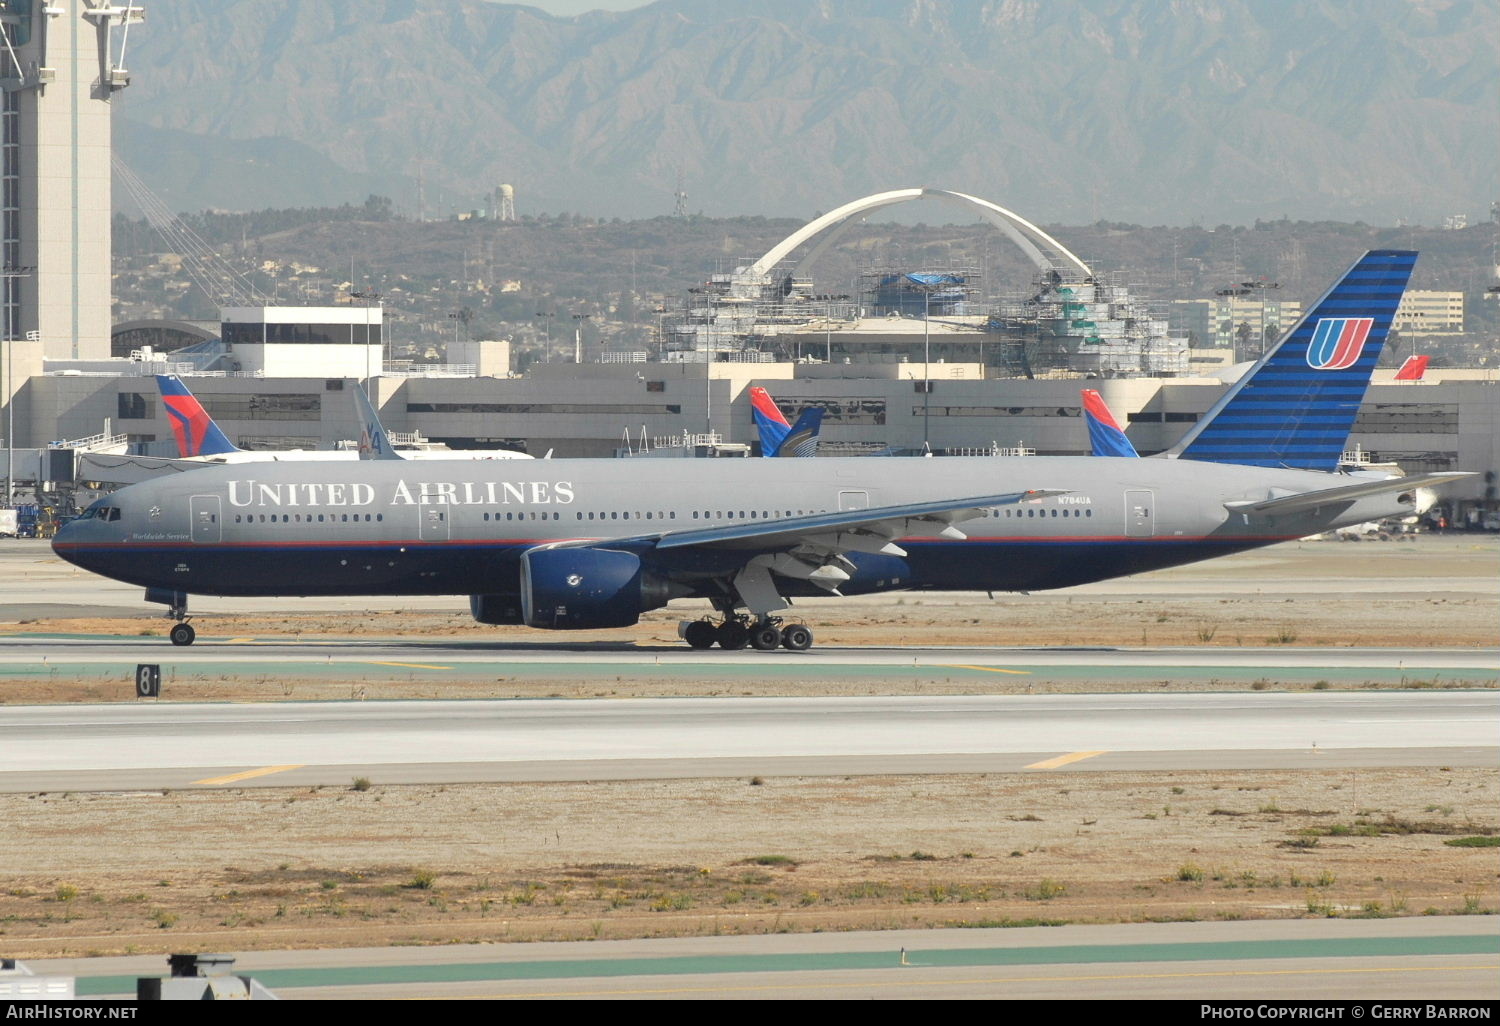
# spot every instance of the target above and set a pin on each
(1337, 342)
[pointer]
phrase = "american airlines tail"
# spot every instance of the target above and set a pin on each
(1106, 437)
(374, 443)
(1296, 405)
(197, 434)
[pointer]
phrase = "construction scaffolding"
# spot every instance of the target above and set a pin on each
(736, 316)
(1086, 325)
(929, 292)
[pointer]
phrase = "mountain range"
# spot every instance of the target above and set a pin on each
(1145, 111)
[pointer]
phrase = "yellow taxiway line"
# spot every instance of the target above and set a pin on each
(1063, 760)
(234, 778)
(986, 669)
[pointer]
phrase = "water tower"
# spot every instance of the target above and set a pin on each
(505, 203)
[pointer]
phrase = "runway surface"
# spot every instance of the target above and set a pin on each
(1426, 958)
(41, 656)
(115, 747)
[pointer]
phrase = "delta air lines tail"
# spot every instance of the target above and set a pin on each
(1296, 405)
(769, 421)
(1106, 438)
(777, 436)
(197, 434)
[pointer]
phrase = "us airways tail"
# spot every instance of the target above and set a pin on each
(374, 443)
(1106, 438)
(777, 436)
(1296, 405)
(197, 434)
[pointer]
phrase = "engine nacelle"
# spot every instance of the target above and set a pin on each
(496, 610)
(585, 589)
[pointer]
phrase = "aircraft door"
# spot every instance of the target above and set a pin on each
(207, 515)
(432, 522)
(853, 500)
(1140, 514)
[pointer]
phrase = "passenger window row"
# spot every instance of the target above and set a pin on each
(526, 516)
(308, 518)
(1033, 513)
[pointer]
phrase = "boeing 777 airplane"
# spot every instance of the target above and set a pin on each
(585, 544)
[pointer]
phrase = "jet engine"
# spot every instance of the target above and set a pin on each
(496, 610)
(583, 589)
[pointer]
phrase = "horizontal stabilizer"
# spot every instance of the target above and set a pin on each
(1304, 501)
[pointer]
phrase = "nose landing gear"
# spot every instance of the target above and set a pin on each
(176, 602)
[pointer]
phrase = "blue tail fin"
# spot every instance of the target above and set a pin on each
(769, 421)
(1105, 435)
(802, 439)
(197, 434)
(1296, 405)
(374, 443)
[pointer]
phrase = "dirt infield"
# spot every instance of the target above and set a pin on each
(124, 873)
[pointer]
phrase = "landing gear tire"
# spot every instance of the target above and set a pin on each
(701, 634)
(183, 634)
(796, 638)
(766, 638)
(732, 635)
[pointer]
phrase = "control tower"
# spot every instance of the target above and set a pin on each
(60, 66)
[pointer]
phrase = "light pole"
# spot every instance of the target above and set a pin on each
(926, 367)
(1245, 288)
(369, 297)
(578, 320)
(10, 274)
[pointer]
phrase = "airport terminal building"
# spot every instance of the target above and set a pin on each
(1448, 421)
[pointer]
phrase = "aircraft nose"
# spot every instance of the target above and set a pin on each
(72, 541)
(65, 539)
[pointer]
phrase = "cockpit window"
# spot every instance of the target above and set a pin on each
(100, 512)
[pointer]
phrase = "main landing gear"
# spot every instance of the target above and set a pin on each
(735, 632)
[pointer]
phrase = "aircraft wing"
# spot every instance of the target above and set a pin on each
(806, 548)
(1301, 502)
(855, 530)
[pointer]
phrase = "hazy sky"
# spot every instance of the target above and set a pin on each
(567, 7)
